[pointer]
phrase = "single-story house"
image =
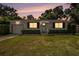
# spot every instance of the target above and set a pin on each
(37, 26)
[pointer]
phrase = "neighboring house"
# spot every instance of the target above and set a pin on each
(37, 26)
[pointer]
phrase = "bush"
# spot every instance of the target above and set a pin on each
(30, 31)
(71, 28)
(4, 29)
(57, 31)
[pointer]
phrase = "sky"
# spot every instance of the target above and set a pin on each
(35, 9)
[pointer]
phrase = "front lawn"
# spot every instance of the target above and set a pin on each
(41, 45)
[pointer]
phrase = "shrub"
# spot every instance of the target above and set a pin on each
(57, 31)
(71, 28)
(30, 31)
(4, 29)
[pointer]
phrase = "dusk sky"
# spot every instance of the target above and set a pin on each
(35, 9)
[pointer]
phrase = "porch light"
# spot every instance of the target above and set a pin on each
(43, 24)
(17, 22)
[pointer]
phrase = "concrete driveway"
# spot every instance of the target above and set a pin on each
(5, 37)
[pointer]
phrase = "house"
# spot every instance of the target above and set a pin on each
(38, 26)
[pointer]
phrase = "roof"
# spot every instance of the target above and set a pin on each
(59, 20)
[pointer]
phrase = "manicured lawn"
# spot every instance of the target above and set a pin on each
(41, 45)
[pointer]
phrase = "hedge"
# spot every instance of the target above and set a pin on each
(57, 31)
(30, 31)
(4, 29)
(70, 30)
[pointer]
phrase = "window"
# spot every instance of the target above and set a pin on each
(33, 25)
(58, 25)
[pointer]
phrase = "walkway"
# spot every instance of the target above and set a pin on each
(5, 37)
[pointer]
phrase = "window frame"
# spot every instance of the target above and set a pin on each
(57, 25)
(33, 25)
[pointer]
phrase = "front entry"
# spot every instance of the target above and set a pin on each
(44, 27)
(44, 30)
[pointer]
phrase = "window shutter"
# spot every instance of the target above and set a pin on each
(37, 24)
(28, 25)
(63, 25)
(53, 24)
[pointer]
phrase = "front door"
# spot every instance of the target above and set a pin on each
(44, 28)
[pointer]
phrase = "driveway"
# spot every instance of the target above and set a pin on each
(5, 37)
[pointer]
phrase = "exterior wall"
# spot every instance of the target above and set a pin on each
(77, 28)
(49, 25)
(45, 29)
(17, 28)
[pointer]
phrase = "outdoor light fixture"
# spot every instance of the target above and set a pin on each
(43, 24)
(17, 22)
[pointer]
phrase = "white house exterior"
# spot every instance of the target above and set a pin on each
(44, 26)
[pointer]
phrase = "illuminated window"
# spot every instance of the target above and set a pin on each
(58, 25)
(33, 25)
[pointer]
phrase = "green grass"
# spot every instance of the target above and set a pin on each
(60, 45)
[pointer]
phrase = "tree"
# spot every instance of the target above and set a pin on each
(24, 18)
(8, 13)
(53, 14)
(30, 17)
(58, 11)
(67, 11)
(48, 14)
(75, 12)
